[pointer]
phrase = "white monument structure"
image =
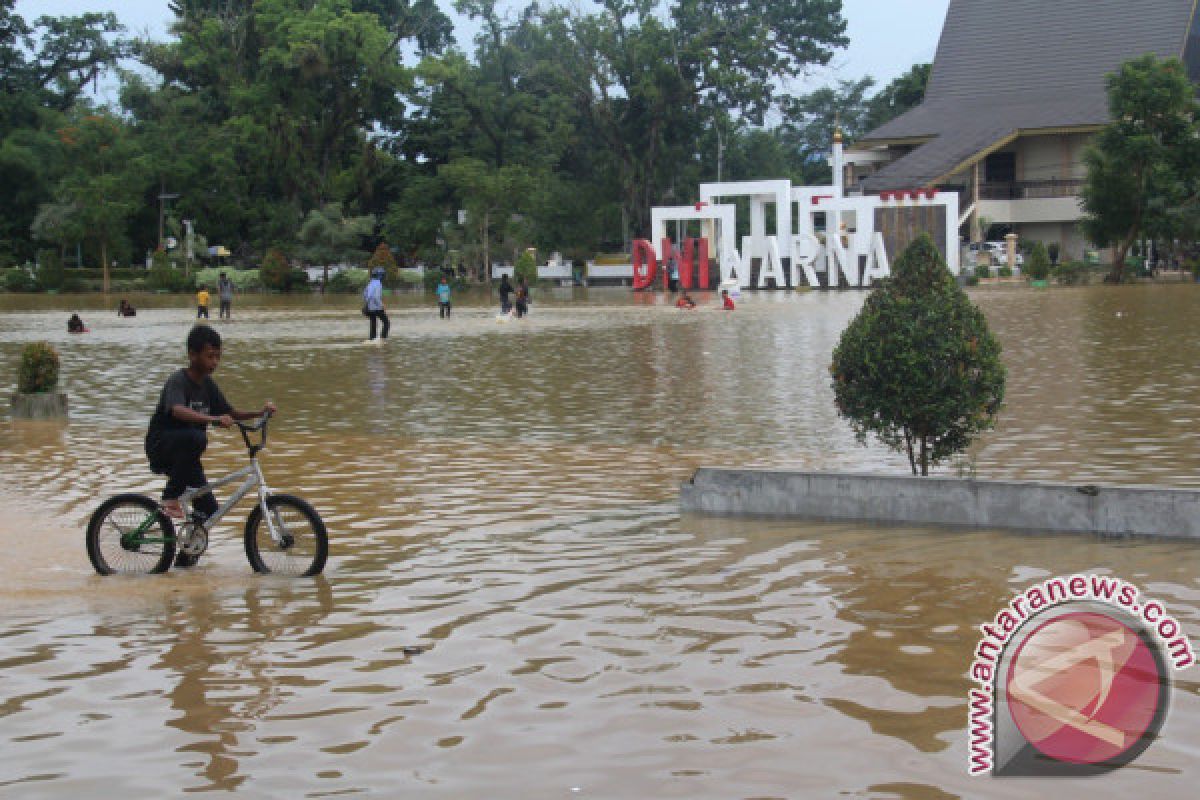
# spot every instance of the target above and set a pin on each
(846, 249)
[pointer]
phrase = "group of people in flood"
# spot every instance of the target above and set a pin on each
(514, 302)
(224, 295)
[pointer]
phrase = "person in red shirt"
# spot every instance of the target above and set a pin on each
(686, 302)
(726, 300)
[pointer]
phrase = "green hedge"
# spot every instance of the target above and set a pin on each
(244, 280)
(17, 280)
(348, 281)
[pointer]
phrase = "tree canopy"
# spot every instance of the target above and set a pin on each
(1143, 169)
(265, 121)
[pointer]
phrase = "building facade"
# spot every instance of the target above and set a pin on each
(1016, 93)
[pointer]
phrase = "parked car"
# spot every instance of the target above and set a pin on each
(997, 251)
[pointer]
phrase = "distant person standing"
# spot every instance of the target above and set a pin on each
(506, 290)
(225, 294)
(522, 304)
(202, 302)
(373, 305)
(443, 293)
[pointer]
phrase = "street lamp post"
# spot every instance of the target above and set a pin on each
(163, 197)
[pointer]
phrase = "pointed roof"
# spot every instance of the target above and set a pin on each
(1007, 67)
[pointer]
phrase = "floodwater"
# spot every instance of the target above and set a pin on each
(514, 607)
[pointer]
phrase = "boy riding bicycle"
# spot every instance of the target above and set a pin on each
(189, 403)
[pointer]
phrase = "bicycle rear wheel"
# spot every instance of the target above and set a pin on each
(305, 544)
(130, 534)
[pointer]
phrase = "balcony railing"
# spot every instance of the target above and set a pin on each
(1030, 190)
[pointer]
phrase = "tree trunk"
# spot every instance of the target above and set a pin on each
(924, 457)
(104, 263)
(912, 461)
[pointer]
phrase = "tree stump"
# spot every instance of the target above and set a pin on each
(42, 405)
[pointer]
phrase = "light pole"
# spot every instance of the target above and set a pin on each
(163, 197)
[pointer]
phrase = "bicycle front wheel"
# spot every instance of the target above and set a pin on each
(304, 544)
(129, 533)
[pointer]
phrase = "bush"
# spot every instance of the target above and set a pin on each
(1004, 271)
(50, 269)
(1037, 266)
(1070, 273)
(348, 281)
(983, 272)
(38, 371)
(18, 280)
(918, 367)
(164, 276)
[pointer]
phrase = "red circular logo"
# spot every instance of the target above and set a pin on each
(1085, 688)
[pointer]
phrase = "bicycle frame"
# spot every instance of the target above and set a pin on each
(254, 480)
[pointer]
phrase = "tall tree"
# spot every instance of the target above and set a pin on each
(1143, 169)
(639, 75)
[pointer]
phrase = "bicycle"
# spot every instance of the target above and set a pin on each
(131, 533)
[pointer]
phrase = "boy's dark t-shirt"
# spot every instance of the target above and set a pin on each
(179, 389)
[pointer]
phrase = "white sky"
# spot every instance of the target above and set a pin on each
(886, 36)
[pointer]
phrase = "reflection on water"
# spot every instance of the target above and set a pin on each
(501, 495)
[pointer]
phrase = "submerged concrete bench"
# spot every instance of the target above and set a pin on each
(1109, 510)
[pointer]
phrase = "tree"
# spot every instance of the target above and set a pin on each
(1143, 169)
(275, 271)
(491, 197)
(327, 237)
(900, 96)
(382, 258)
(918, 367)
(638, 76)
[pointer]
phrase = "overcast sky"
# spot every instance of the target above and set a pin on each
(886, 36)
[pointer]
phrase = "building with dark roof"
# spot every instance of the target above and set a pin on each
(1016, 92)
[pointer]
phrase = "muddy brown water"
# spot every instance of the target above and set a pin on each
(503, 496)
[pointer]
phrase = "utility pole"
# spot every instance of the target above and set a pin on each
(163, 197)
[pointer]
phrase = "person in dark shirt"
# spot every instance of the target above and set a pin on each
(189, 403)
(75, 325)
(506, 289)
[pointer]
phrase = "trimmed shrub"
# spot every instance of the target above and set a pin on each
(38, 371)
(918, 367)
(1004, 271)
(983, 272)
(526, 268)
(1037, 266)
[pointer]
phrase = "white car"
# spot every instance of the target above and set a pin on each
(998, 252)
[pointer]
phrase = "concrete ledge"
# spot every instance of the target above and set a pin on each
(44, 405)
(1108, 510)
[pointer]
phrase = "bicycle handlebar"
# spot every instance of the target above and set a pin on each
(257, 427)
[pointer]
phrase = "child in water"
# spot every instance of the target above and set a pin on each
(726, 301)
(75, 325)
